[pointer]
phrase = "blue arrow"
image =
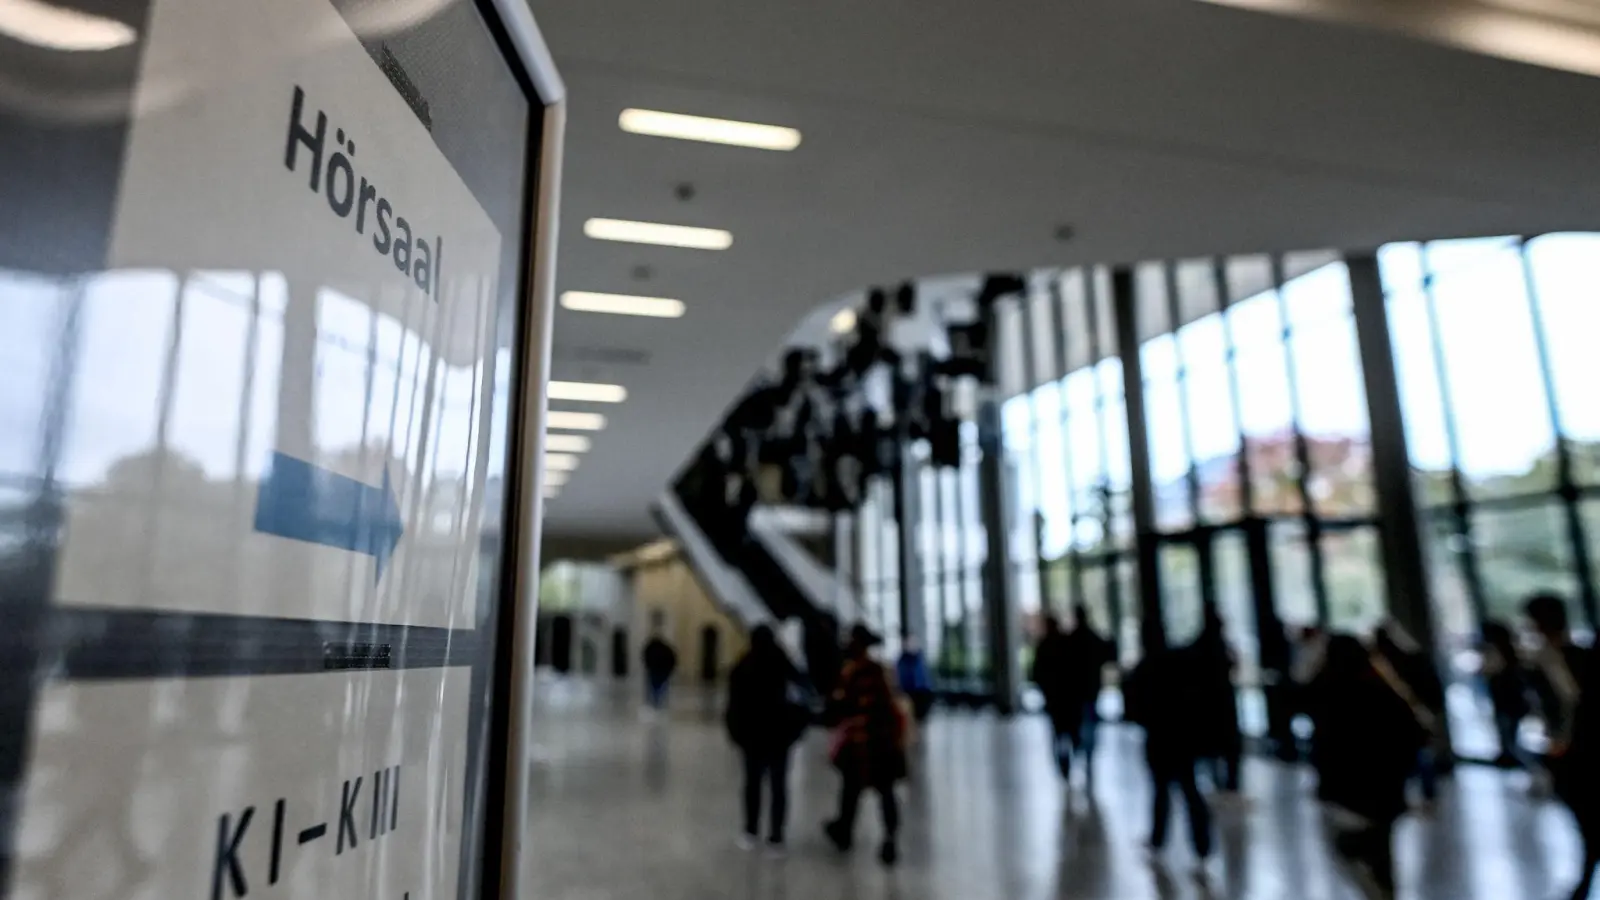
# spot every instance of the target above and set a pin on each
(304, 502)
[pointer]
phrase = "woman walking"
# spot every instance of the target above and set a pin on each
(1364, 747)
(868, 744)
(764, 723)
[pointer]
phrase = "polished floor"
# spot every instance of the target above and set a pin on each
(629, 807)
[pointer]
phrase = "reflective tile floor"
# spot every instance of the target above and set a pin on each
(631, 807)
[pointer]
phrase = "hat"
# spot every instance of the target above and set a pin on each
(862, 636)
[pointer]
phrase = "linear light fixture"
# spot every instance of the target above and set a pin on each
(556, 477)
(657, 233)
(574, 421)
(587, 392)
(60, 28)
(560, 462)
(622, 304)
(712, 131)
(552, 491)
(566, 443)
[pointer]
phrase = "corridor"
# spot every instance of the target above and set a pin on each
(630, 807)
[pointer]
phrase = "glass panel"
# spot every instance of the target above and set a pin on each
(1096, 599)
(1128, 633)
(1416, 371)
(1074, 315)
(1042, 325)
(1169, 459)
(1010, 361)
(1213, 431)
(1291, 575)
(1443, 546)
(1486, 329)
(1236, 603)
(1265, 409)
(1565, 270)
(1331, 392)
(1083, 445)
(1119, 476)
(1354, 569)
(1051, 464)
(1105, 319)
(1182, 610)
(1521, 551)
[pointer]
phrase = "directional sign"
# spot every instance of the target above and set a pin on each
(267, 788)
(304, 502)
(326, 263)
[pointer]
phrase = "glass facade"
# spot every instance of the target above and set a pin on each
(1259, 444)
(1255, 451)
(1492, 340)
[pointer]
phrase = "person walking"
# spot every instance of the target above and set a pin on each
(1222, 741)
(1364, 749)
(1507, 686)
(1052, 675)
(912, 671)
(1563, 676)
(660, 661)
(868, 744)
(764, 722)
(1424, 689)
(1165, 696)
(1088, 654)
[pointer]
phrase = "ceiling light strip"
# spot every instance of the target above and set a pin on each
(574, 421)
(631, 232)
(585, 392)
(656, 123)
(622, 304)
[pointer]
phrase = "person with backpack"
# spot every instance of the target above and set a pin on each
(764, 721)
(868, 746)
(1367, 734)
(1165, 695)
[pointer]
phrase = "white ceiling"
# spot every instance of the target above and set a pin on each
(945, 136)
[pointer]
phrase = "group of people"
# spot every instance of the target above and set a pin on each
(769, 710)
(1376, 709)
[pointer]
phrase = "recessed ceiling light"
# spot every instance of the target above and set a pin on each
(843, 321)
(586, 392)
(713, 131)
(59, 28)
(574, 421)
(622, 304)
(566, 443)
(657, 233)
(560, 462)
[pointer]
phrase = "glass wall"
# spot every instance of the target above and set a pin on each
(1493, 349)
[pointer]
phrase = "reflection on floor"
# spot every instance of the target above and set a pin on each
(628, 808)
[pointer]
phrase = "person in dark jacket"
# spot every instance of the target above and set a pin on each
(1507, 686)
(1364, 749)
(868, 743)
(1165, 695)
(1069, 670)
(1051, 675)
(1420, 678)
(764, 723)
(1222, 741)
(660, 661)
(1565, 680)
